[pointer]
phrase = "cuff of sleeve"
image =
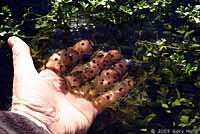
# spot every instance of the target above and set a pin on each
(37, 122)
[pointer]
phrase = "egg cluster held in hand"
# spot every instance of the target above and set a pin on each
(102, 80)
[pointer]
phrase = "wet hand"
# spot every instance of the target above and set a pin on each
(66, 97)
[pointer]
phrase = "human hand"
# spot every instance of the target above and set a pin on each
(67, 102)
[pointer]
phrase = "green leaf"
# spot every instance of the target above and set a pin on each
(176, 103)
(188, 69)
(197, 7)
(197, 20)
(165, 106)
(5, 9)
(184, 119)
(84, 4)
(187, 34)
(74, 9)
(195, 46)
(41, 25)
(167, 26)
(193, 121)
(93, 2)
(197, 84)
(162, 48)
(161, 41)
(182, 101)
(168, 75)
(126, 9)
(2, 33)
(168, 111)
(150, 117)
(143, 129)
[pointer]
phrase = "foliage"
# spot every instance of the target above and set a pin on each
(7, 25)
(160, 36)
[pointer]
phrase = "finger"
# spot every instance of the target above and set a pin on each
(83, 47)
(85, 72)
(105, 80)
(98, 62)
(108, 98)
(24, 69)
(73, 81)
(61, 61)
(101, 83)
(112, 75)
(105, 59)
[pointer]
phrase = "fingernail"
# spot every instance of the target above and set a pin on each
(11, 41)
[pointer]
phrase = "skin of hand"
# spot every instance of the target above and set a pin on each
(44, 97)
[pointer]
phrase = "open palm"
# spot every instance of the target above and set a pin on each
(46, 97)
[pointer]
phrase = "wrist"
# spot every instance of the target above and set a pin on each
(34, 113)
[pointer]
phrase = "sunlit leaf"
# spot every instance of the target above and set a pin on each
(150, 117)
(184, 119)
(195, 45)
(165, 106)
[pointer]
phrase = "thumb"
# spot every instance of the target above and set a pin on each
(24, 69)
